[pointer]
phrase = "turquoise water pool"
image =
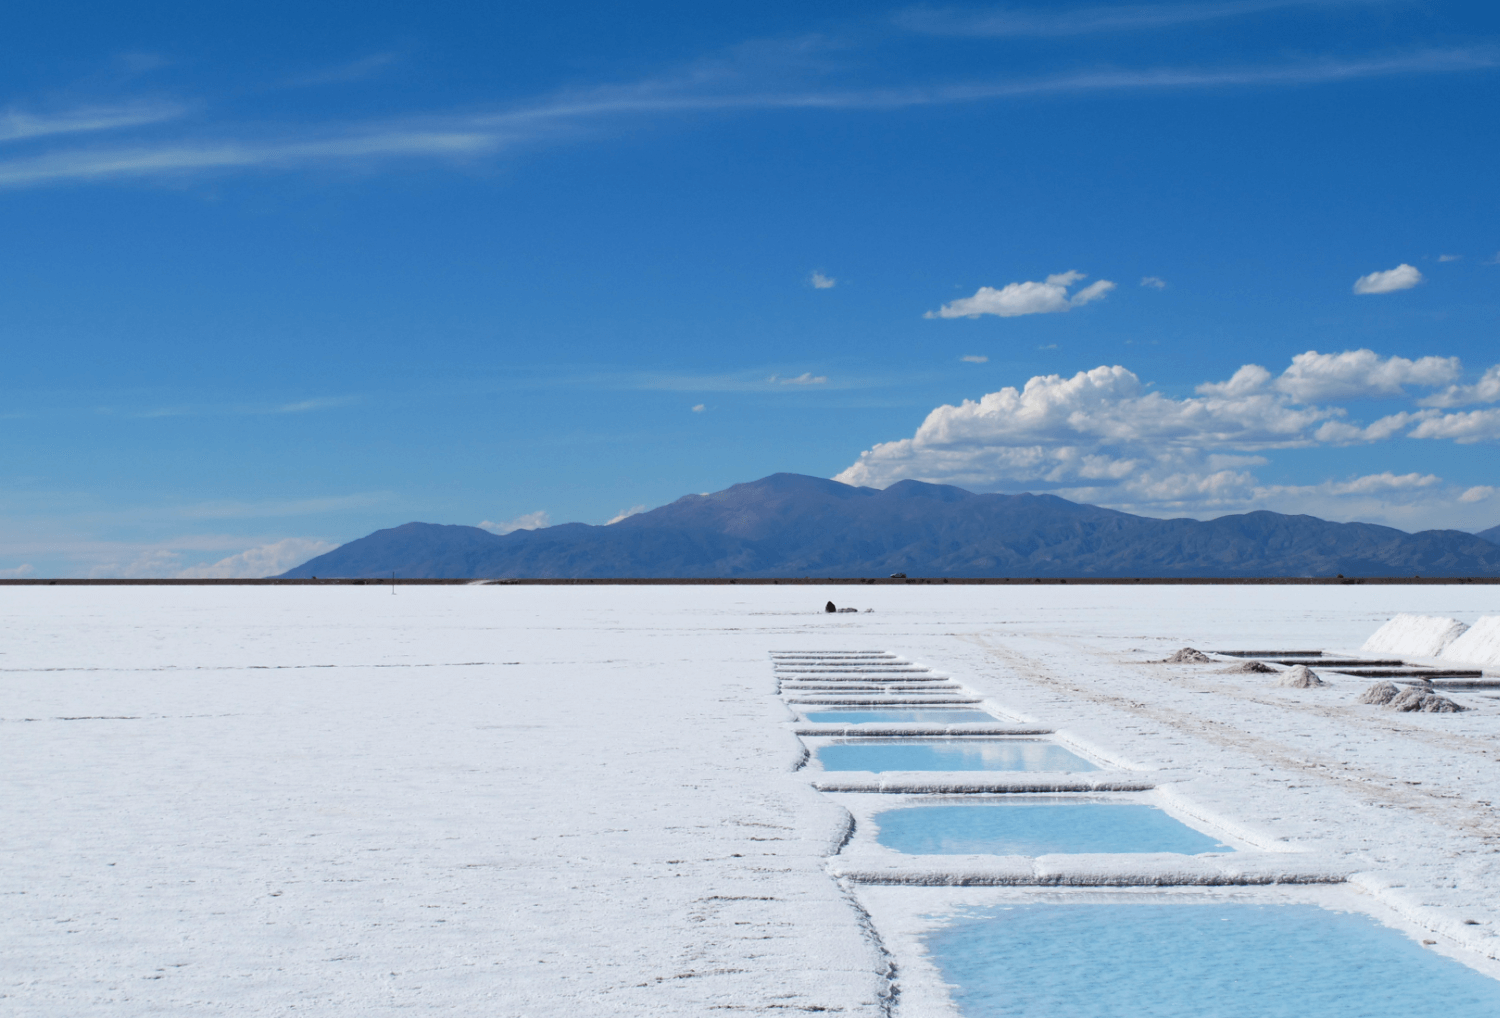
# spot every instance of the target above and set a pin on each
(976, 754)
(926, 717)
(1038, 828)
(1214, 960)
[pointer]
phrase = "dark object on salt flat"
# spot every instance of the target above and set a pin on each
(1248, 668)
(1299, 677)
(1414, 700)
(842, 610)
(829, 607)
(898, 576)
(1380, 694)
(1189, 656)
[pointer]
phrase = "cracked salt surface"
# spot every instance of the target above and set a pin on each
(617, 827)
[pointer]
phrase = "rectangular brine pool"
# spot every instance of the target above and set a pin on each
(916, 715)
(1197, 960)
(948, 754)
(1038, 827)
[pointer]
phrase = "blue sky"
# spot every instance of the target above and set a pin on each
(278, 275)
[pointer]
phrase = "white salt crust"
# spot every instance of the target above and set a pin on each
(538, 801)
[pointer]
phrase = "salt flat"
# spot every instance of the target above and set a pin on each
(579, 801)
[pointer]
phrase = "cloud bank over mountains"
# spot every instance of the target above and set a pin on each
(1106, 437)
(528, 521)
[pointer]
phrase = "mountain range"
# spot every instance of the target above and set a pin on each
(793, 525)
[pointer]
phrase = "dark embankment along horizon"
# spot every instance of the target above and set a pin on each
(794, 525)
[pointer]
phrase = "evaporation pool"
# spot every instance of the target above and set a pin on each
(1198, 960)
(938, 754)
(926, 717)
(1038, 828)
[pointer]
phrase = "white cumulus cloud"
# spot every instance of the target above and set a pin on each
(1014, 299)
(18, 572)
(1154, 282)
(1402, 277)
(974, 358)
(699, 408)
(1352, 374)
(1105, 436)
(822, 282)
(1478, 493)
(529, 521)
(1387, 481)
(1098, 429)
(1486, 390)
(1356, 374)
(1464, 428)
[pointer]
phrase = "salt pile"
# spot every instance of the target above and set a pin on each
(1189, 656)
(1417, 636)
(1300, 677)
(1248, 668)
(1426, 703)
(1380, 694)
(1480, 645)
(1416, 699)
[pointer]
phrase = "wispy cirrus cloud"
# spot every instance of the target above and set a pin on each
(726, 86)
(353, 70)
(21, 125)
(268, 508)
(179, 158)
(219, 410)
(1010, 21)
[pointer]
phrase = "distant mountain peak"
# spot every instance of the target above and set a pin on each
(796, 525)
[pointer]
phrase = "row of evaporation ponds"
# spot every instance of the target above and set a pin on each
(882, 691)
(1099, 954)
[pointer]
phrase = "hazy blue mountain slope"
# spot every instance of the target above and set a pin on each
(1491, 535)
(792, 525)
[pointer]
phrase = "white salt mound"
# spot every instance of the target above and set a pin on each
(1415, 636)
(1479, 646)
(1189, 656)
(1247, 668)
(1300, 677)
(1413, 700)
(1380, 694)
